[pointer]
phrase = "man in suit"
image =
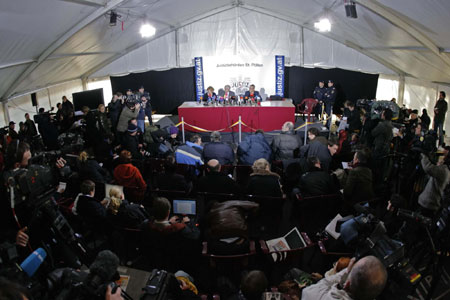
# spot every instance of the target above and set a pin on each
(252, 94)
(226, 93)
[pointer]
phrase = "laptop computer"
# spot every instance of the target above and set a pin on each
(184, 207)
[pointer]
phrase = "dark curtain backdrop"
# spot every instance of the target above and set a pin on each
(350, 85)
(169, 89)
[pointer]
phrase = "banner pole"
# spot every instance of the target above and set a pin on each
(182, 129)
(306, 131)
(240, 130)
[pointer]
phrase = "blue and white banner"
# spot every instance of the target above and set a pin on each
(279, 75)
(199, 81)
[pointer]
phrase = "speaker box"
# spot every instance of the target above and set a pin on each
(34, 99)
(165, 122)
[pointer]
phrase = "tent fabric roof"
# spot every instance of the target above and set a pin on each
(51, 41)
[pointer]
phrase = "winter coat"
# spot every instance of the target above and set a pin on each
(129, 176)
(252, 148)
(126, 115)
(382, 135)
(317, 182)
(433, 192)
(264, 183)
(220, 151)
(283, 145)
(93, 171)
(359, 185)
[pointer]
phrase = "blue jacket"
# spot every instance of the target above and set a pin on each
(190, 154)
(252, 148)
(220, 151)
(147, 111)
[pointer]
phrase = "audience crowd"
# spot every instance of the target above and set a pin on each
(245, 192)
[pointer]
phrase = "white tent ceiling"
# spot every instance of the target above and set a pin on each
(49, 41)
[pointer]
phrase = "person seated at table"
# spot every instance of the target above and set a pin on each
(253, 147)
(226, 93)
(218, 150)
(262, 181)
(209, 95)
(252, 94)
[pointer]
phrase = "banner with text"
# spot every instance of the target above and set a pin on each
(240, 72)
(279, 75)
(199, 80)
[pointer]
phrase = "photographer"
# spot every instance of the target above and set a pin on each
(430, 198)
(363, 280)
(130, 111)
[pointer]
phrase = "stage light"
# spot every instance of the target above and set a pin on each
(113, 19)
(350, 9)
(323, 25)
(147, 30)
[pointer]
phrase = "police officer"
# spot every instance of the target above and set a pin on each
(319, 95)
(330, 97)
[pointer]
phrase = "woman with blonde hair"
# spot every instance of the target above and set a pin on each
(90, 169)
(262, 181)
(122, 212)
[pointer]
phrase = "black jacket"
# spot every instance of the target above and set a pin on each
(382, 135)
(316, 148)
(220, 151)
(172, 181)
(129, 215)
(131, 143)
(359, 185)
(283, 145)
(316, 183)
(93, 171)
(216, 182)
(91, 211)
(354, 120)
(264, 183)
(440, 111)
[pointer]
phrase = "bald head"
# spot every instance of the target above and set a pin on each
(213, 165)
(366, 279)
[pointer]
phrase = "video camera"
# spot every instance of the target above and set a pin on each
(161, 285)
(377, 108)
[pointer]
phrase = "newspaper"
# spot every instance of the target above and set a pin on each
(292, 240)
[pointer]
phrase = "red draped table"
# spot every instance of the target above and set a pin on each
(269, 116)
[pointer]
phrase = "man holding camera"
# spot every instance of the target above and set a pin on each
(130, 111)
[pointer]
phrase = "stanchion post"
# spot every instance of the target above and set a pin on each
(331, 120)
(182, 129)
(306, 131)
(240, 130)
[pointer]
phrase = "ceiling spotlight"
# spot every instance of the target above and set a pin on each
(147, 30)
(350, 9)
(113, 18)
(323, 25)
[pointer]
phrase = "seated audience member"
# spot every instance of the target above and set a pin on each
(227, 230)
(191, 152)
(170, 180)
(88, 208)
(323, 152)
(122, 212)
(218, 150)
(253, 147)
(126, 174)
(314, 136)
(359, 184)
(215, 181)
(90, 169)
(430, 200)
(366, 280)
(283, 145)
(162, 223)
(262, 181)
(173, 138)
(252, 286)
(316, 181)
(131, 141)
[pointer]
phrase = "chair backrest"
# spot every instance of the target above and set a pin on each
(308, 104)
(243, 174)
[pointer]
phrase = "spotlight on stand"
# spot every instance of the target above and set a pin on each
(113, 18)
(350, 9)
(147, 30)
(323, 25)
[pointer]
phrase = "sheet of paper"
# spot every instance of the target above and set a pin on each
(331, 227)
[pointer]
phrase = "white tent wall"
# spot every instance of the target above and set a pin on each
(244, 32)
(105, 84)
(47, 98)
(387, 87)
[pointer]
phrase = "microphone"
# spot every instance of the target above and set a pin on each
(33, 261)
(104, 269)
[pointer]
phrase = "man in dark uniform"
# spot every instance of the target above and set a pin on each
(319, 95)
(440, 109)
(330, 97)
